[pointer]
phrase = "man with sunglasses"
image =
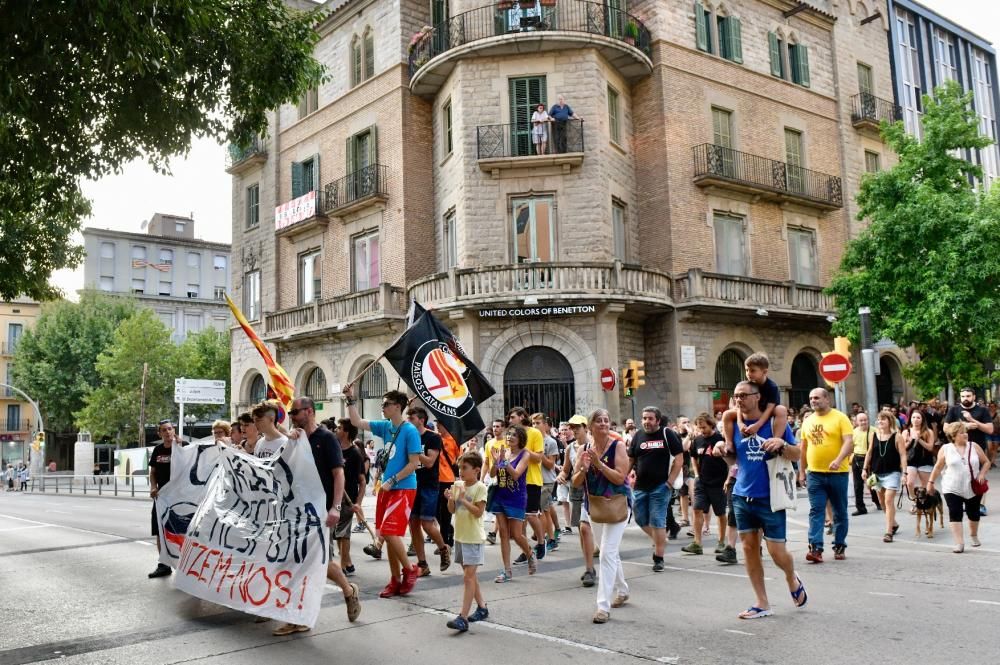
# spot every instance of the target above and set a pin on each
(399, 483)
(159, 475)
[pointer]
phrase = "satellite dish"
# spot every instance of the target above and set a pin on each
(144, 224)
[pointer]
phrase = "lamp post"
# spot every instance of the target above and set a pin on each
(189, 420)
(37, 468)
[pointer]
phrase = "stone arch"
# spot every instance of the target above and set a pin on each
(246, 384)
(577, 352)
(358, 357)
(722, 10)
(742, 339)
(890, 384)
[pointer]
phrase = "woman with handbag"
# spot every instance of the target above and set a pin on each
(964, 465)
(920, 451)
(601, 470)
(511, 498)
(885, 464)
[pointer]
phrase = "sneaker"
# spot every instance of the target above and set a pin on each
(567, 530)
(423, 569)
(814, 555)
(859, 512)
(728, 555)
(391, 589)
(353, 603)
(372, 551)
(459, 623)
(162, 570)
(359, 528)
(504, 577)
(491, 538)
(532, 565)
(589, 579)
(838, 552)
(982, 511)
(657, 564)
(521, 560)
(552, 546)
(349, 571)
(481, 614)
(720, 548)
(410, 551)
(540, 551)
(410, 574)
(445, 558)
(692, 548)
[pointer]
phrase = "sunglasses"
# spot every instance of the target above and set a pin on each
(295, 412)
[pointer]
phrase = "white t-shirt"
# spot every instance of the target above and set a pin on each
(267, 448)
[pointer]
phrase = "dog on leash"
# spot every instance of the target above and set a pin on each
(927, 506)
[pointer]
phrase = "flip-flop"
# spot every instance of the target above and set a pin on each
(799, 593)
(755, 613)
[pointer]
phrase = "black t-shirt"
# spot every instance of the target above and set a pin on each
(979, 413)
(652, 453)
(769, 394)
(427, 476)
(159, 459)
(354, 470)
(712, 470)
(328, 456)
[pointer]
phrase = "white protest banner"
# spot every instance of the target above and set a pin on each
(258, 542)
(191, 466)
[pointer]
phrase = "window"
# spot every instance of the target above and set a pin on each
(166, 288)
(982, 83)
(524, 95)
(362, 57)
(866, 81)
(14, 331)
(730, 38)
(449, 235)
(107, 261)
(167, 318)
(909, 71)
(872, 162)
(776, 47)
(316, 385)
(722, 136)
(107, 250)
(366, 261)
(192, 323)
(138, 254)
(167, 257)
(793, 159)
(945, 56)
(730, 244)
(220, 293)
(194, 262)
(798, 63)
(802, 256)
(179, 227)
(305, 176)
(258, 389)
(251, 295)
(221, 269)
(253, 205)
(446, 121)
(309, 276)
(533, 226)
(220, 263)
(13, 417)
(362, 152)
(107, 284)
(356, 59)
(618, 230)
(369, 47)
(613, 118)
(192, 291)
(309, 102)
(702, 23)
(138, 286)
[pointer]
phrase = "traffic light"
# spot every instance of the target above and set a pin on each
(628, 381)
(842, 345)
(637, 373)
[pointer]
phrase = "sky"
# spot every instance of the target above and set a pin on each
(200, 185)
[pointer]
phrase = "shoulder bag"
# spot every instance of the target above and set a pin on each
(607, 509)
(978, 488)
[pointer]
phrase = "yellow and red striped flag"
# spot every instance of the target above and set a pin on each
(282, 385)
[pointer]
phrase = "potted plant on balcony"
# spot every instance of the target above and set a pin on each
(631, 33)
(418, 38)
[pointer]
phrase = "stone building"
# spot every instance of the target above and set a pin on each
(18, 420)
(687, 214)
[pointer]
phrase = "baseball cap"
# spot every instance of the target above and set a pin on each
(577, 420)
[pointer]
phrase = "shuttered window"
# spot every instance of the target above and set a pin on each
(253, 205)
(305, 176)
(362, 150)
(774, 48)
(793, 157)
(730, 38)
(525, 94)
(798, 63)
(866, 83)
(872, 162)
(730, 244)
(368, 42)
(702, 24)
(614, 124)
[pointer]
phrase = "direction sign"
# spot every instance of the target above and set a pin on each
(608, 379)
(198, 391)
(835, 367)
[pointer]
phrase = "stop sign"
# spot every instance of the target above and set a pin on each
(835, 367)
(608, 379)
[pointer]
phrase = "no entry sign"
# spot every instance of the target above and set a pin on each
(608, 379)
(835, 367)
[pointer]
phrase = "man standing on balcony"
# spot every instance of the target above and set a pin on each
(561, 114)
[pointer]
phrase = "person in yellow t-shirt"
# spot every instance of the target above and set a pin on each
(533, 479)
(862, 436)
(827, 445)
(467, 500)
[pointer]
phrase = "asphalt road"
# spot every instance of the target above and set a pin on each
(73, 587)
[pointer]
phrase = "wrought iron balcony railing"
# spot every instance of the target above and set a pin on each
(371, 181)
(15, 425)
(516, 140)
(504, 18)
(867, 109)
(236, 156)
(715, 164)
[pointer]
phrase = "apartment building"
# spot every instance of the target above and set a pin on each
(183, 279)
(688, 212)
(18, 421)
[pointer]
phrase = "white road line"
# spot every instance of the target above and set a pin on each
(62, 526)
(890, 595)
(738, 632)
(528, 633)
(985, 602)
(59, 512)
(672, 660)
(693, 570)
(22, 528)
(143, 542)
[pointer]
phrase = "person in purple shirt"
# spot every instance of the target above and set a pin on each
(561, 114)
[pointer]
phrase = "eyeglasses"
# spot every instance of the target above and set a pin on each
(295, 412)
(744, 395)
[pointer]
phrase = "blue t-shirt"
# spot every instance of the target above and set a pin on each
(751, 478)
(407, 440)
(561, 113)
(769, 394)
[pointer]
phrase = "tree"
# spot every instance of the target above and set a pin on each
(112, 408)
(928, 264)
(56, 360)
(205, 355)
(86, 87)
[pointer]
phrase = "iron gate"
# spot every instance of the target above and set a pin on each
(540, 380)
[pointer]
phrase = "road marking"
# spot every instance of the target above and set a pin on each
(738, 632)
(693, 570)
(985, 602)
(528, 633)
(143, 542)
(890, 595)
(63, 526)
(122, 510)
(60, 512)
(22, 528)
(672, 660)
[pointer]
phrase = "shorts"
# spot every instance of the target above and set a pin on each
(534, 500)
(539, 135)
(511, 512)
(756, 515)
(731, 517)
(927, 468)
(392, 511)
(343, 528)
(545, 499)
(425, 503)
(706, 497)
(470, 554)
(650, 507)
(889, 481)
(562, 493)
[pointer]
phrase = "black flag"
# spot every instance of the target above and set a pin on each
(431, 362)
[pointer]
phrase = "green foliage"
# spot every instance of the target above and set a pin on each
(56, 359)
(86, 87)
(112, 408)
(205, 355)
(928, 265)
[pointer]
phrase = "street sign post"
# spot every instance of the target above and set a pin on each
(196, 391)
(835, 367)
(608, 379)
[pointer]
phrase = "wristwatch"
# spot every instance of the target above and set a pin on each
(351, 401)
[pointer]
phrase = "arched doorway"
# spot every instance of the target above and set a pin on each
(316, 385)
(258, 389)
(889, 382)
(729, 371)
(541, 380)
(805, 377)
(374, 384)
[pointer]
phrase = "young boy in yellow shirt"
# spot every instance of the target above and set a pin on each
(467, 501)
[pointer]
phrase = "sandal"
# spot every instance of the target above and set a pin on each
(799, 593)
(887, 538)
(504, 576)
(685, 523)
(755, 613)
(895, 528)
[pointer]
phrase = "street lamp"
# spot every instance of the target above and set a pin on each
(189, 420)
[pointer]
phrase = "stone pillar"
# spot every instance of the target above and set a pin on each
(607, 354)
(83, 455)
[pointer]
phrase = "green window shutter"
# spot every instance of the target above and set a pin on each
(369, 55)
(349, 152)
(315, 171)
(373, 145)
(735, 39)
(775, 49)
(355, 61)
(701, 26)
(297, 189)
(803, 62)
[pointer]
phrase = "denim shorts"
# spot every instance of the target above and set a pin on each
(650, 507)
(425, 503)
(889, 481)
(512, 512)
(756, 514)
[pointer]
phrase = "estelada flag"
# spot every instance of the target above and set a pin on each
(429, 360)
(283, 387)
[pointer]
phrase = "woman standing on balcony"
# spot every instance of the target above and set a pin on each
(540, 121)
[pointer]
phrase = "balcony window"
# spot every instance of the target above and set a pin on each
(802, 256)
(872, 162)
(251, 295)
(253, 205)
(449, 236)
(166, 288)
(309, 276)
(305, 176)
(309, 102)
(722, 136)
(866, 80)
(533, 229)
(614, 124)
(138, 286)
(525, 94)
(107, 284)
(793, 158)
(730, 244)
(618, 230)
(192, 291)
(366, 261)
(362, 150)
(730, 38)
(14, 332)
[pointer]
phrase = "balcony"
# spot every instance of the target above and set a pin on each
(869, 112)
(713, 291)
(771, 180)
(19, 425)
(509, 28)
(562, 283)
(352, 311)
(356, 191)
(239, 160)
(502, 147)
(301, 215)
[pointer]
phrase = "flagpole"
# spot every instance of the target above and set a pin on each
(365, 370)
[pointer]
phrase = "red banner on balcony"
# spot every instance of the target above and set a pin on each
(295, 210)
